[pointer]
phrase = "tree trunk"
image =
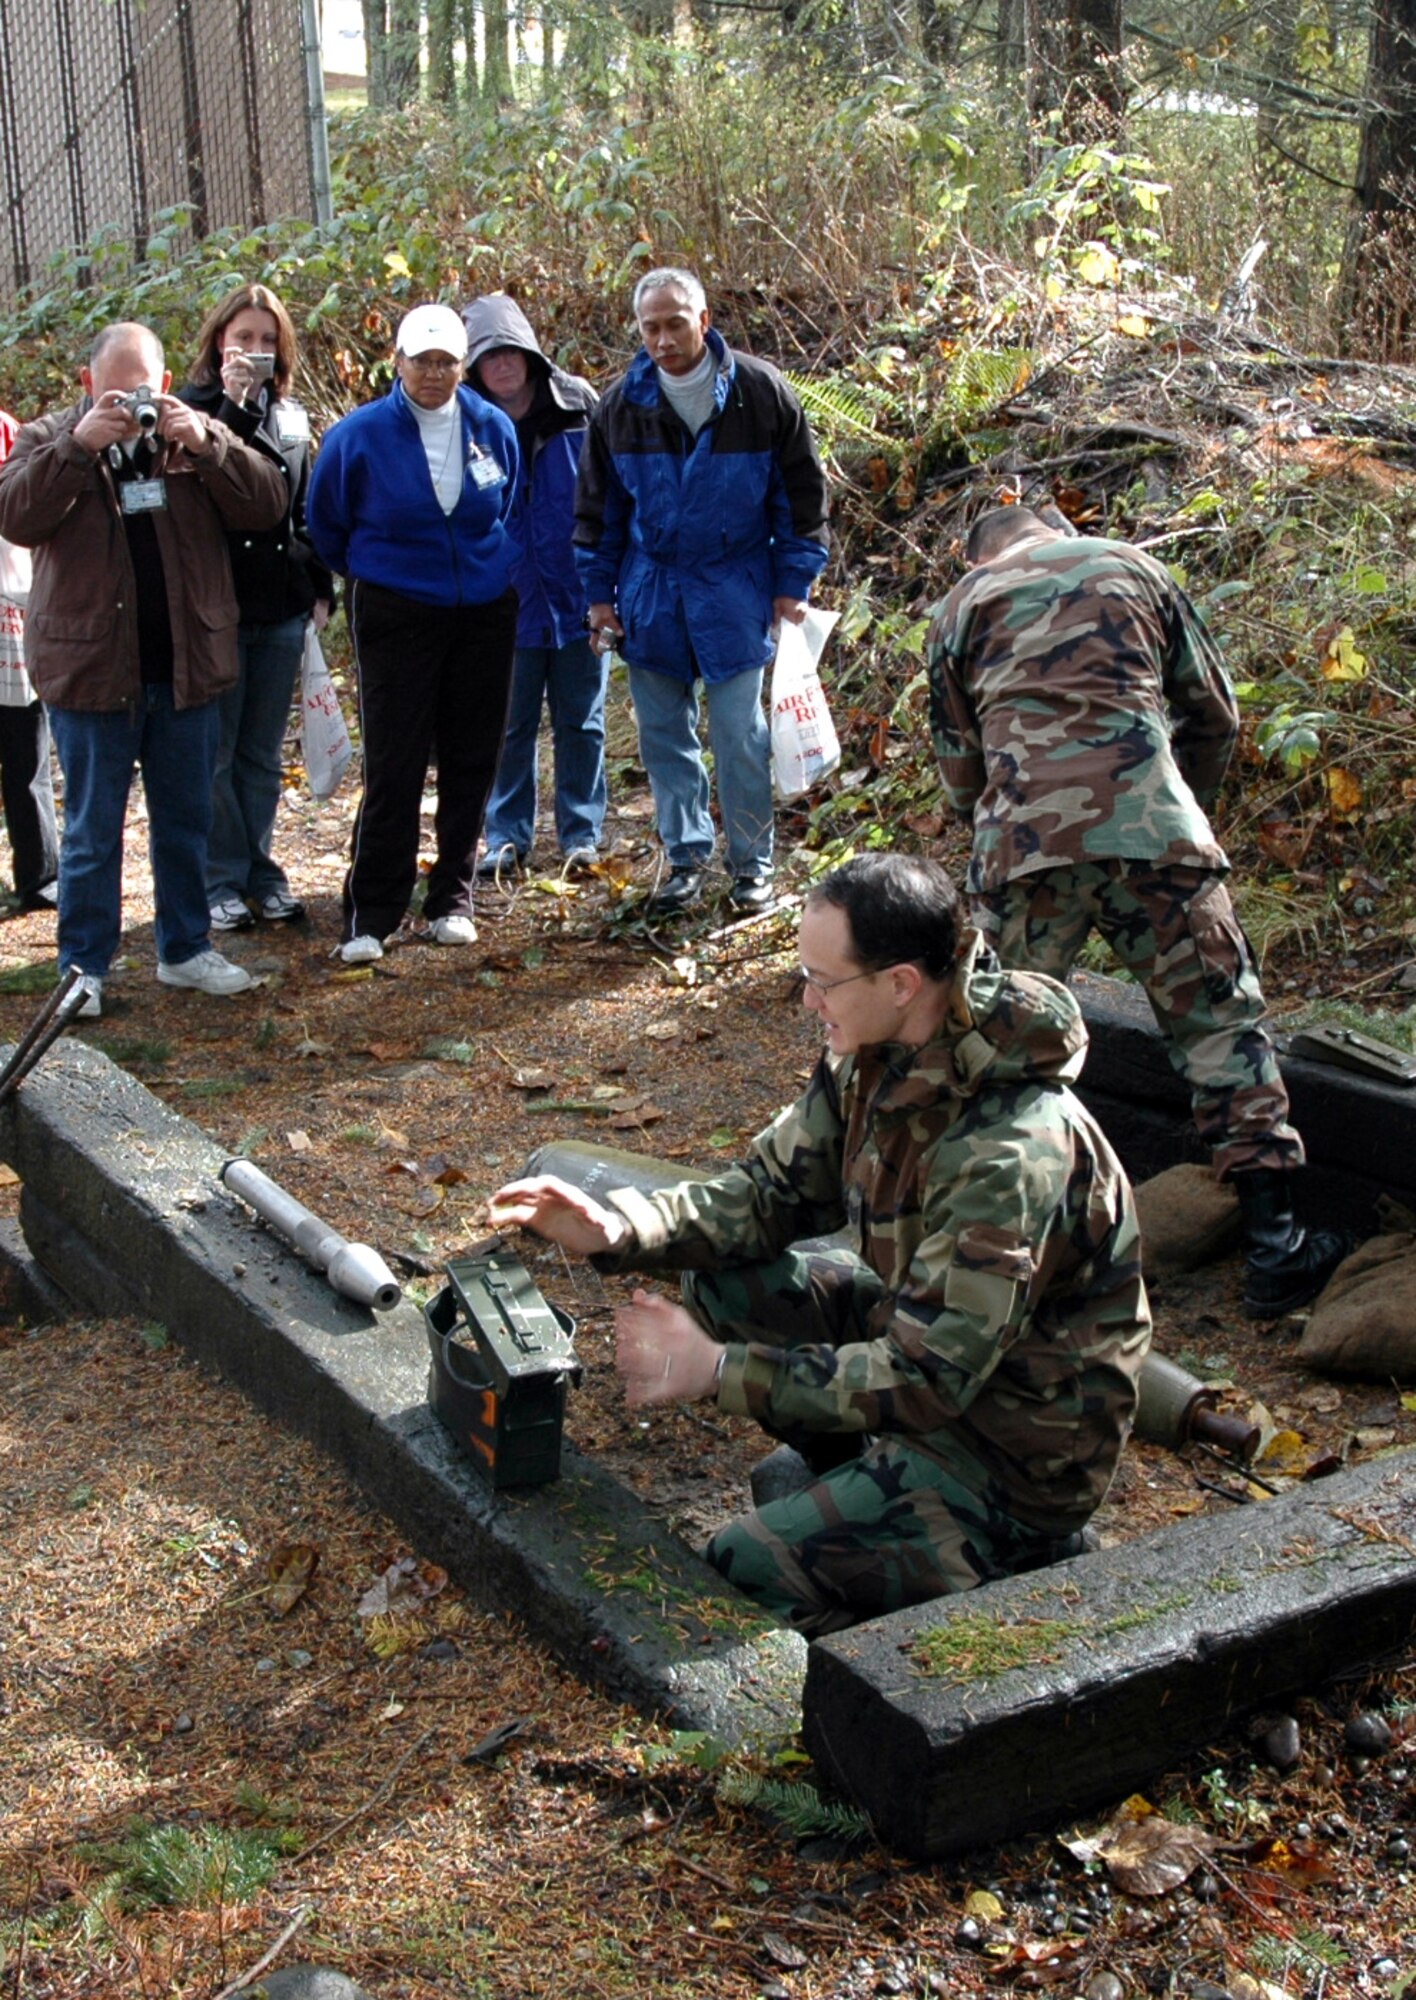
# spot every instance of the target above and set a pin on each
(1378, 289)
(936, 31)
(1011, 48)
(442, 34)
(376, 52)
(1076, 91)
(404, 39)
(496, 62)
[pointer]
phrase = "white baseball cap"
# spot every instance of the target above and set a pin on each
(429, 328)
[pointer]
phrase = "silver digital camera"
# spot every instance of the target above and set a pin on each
(141, 405)
(262, 366)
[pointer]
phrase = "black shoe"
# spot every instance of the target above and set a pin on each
(1285, 1265)
(752, 892)
(781, 1475)
(680, 892)
(46, 899)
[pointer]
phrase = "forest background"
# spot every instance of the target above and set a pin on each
(1155, 263)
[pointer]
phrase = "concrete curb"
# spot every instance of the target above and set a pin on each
(1139, 1654)
(122, 1205)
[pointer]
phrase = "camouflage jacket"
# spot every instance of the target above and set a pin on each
(1054, 671)
(975, 1185)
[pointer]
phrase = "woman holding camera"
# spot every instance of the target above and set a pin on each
(245, 363)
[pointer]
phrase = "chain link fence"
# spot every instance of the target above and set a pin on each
(115, 112)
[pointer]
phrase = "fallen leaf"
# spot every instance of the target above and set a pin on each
(388, 1051)
(405, 1586)
(354, 972)
(1341, 661)
(496, 1740)
(1096, 265)
(790, 1957)
(291, 1567)
(393, 1709)
(1144, 1853)
(450, 1176)
(1285, 1452)
(1134, 325)
(426, 1202)
(298, 1142)
(1344, 793)
(1374, 1437)
(664, 1031)
(1288, 1857)
(407, 1167)
(643, 1113)
(983, 1904)
(532, 1079)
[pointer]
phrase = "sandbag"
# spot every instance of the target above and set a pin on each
(1364, 1322)
(1188, 1219)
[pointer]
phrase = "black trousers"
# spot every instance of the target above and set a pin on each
(27, 792)
(431, 678)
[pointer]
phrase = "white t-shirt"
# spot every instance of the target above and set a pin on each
(442, 441)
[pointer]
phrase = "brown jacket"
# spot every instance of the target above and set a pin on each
(81, 633)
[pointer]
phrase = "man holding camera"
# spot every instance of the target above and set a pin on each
(125, 500)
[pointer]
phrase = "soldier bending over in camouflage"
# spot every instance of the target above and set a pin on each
(963, 1385)
(1055, 667)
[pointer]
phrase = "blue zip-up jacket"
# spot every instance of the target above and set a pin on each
(549, 591)
(372, 512)
(691, 538)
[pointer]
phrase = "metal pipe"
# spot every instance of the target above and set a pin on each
(352, 1268)
(48, 1025)
(320, 182)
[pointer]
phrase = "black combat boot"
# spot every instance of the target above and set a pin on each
(1285, 1265)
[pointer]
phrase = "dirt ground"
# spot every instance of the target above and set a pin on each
(143, 1677)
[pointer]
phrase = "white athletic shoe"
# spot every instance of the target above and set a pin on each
(361, 951)
(453, 930)
(208, 972)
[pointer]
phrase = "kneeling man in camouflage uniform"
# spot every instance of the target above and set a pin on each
(961, 1382)
(1083, 718)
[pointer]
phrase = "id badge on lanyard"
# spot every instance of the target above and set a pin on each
(143, 496)
(486, 471)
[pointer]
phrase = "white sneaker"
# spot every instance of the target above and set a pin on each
(361, 951)
(453, 930)
(230, 914)
(91, 986)
(208, 972)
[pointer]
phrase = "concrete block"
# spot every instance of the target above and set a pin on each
(123, 1204)
(1127, 1660)
(27, 1292)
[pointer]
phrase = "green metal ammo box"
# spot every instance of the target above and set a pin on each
(501, 1359)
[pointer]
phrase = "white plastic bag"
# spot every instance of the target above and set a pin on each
(15, 572)
(323, 733)
(805, 747)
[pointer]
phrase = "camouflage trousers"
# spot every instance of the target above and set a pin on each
(1176, 931)
(889, 1526)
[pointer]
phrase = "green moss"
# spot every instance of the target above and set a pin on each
(976, 1647)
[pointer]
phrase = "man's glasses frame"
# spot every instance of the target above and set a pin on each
(808, 981)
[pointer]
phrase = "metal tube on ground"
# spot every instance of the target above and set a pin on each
(353, 1269)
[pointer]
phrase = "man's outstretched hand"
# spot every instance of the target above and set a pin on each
(561, 1213)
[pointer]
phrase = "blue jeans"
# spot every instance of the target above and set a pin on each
(246, 790)
(571, 682)
(666, 711)
(176, 752)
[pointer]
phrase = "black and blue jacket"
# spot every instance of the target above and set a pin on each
(372, 511)
(551, 596)
(692, 538)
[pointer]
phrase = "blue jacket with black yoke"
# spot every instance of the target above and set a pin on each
(691, 538)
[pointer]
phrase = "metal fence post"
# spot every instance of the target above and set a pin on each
(315, 99)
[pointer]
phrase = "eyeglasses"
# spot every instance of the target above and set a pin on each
(821, 987)
(433, 364)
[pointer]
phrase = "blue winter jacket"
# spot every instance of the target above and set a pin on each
(691, 538)
(551, 596)
(372, 511)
